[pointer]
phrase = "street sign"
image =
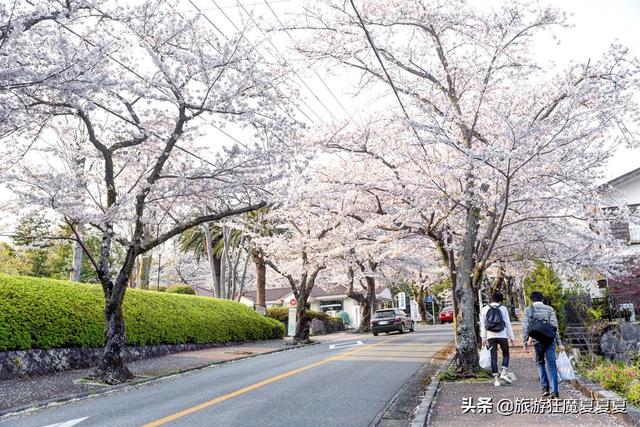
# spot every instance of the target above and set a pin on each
(291, 327)
(415, 311)
(429, 298)
(402, 300)
(293, 302)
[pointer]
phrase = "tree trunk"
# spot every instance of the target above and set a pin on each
(145, 271)
(303, 323)
(242, 278)
(466, 359)
(111, 368)
(133, 279)
(145, 262)
(366, 301)
(365, 316)
(370, 304)
(214, 267)
(76, 266)
(261, 276)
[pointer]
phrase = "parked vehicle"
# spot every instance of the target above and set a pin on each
(446, 315)
(392, 319)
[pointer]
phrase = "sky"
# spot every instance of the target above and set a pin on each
(595, 24)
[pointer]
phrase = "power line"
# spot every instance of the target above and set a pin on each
(286, 62)
(375, 50)
(314, 70)
(199, 10)
(262, 56)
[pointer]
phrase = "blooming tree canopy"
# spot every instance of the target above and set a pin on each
(120, 112)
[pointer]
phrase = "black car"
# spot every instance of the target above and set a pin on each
(391, 319)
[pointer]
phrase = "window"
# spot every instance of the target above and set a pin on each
(335, 305)
(634, 233)
(384, 314)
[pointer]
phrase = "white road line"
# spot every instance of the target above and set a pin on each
(69, 423)
(345, 345)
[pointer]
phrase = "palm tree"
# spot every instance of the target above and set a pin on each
(222, 241)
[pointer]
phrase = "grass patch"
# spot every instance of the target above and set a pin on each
(450, 375)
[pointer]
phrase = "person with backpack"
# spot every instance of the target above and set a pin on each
(540, 328)
(495, 329)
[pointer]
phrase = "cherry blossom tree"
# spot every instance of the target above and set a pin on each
(489, 131)
(152, 87)
(305, 246)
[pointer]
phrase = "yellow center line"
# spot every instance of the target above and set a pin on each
(255, 386)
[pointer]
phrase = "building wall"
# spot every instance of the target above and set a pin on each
(626, 288)
(246, 301)
(630, 191)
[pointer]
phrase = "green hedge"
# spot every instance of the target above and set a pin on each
(46, 313)
(281, 314)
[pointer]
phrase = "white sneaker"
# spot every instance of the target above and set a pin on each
(506, 377)
(496, 382)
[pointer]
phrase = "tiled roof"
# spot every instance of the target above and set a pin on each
(272, 294)
(336, 289)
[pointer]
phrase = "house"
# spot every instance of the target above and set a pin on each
(625, 290)
(330, 299)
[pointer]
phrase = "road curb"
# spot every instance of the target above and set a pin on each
(594, 391)
(412, 387)
(422, 415)
(33, 407)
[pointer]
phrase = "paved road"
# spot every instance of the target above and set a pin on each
(338, 383)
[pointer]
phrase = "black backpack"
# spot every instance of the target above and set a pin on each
(493, 321)
(541, 329)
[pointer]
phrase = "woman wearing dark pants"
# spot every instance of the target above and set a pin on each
(497, 339)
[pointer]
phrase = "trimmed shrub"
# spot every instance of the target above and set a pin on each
(336, 319)
(280, 314)
(46, 313)
(180, 289)
(332, 324)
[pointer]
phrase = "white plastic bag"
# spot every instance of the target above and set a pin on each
(485, 358)
(565, 370)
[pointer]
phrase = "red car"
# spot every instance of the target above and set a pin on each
(446, 315)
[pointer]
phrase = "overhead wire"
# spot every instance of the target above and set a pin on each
(200, 11)
(285, 61)
(313, 69)
(262, 56)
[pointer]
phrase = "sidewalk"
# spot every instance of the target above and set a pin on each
(15, 394)
(448, 407)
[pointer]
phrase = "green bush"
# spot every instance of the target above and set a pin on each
(46, 313)
(633, 393)
(317, 315)
(622, 379)
(280, 314)
(181, 289)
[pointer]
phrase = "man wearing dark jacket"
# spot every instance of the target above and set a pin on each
(545, 354)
